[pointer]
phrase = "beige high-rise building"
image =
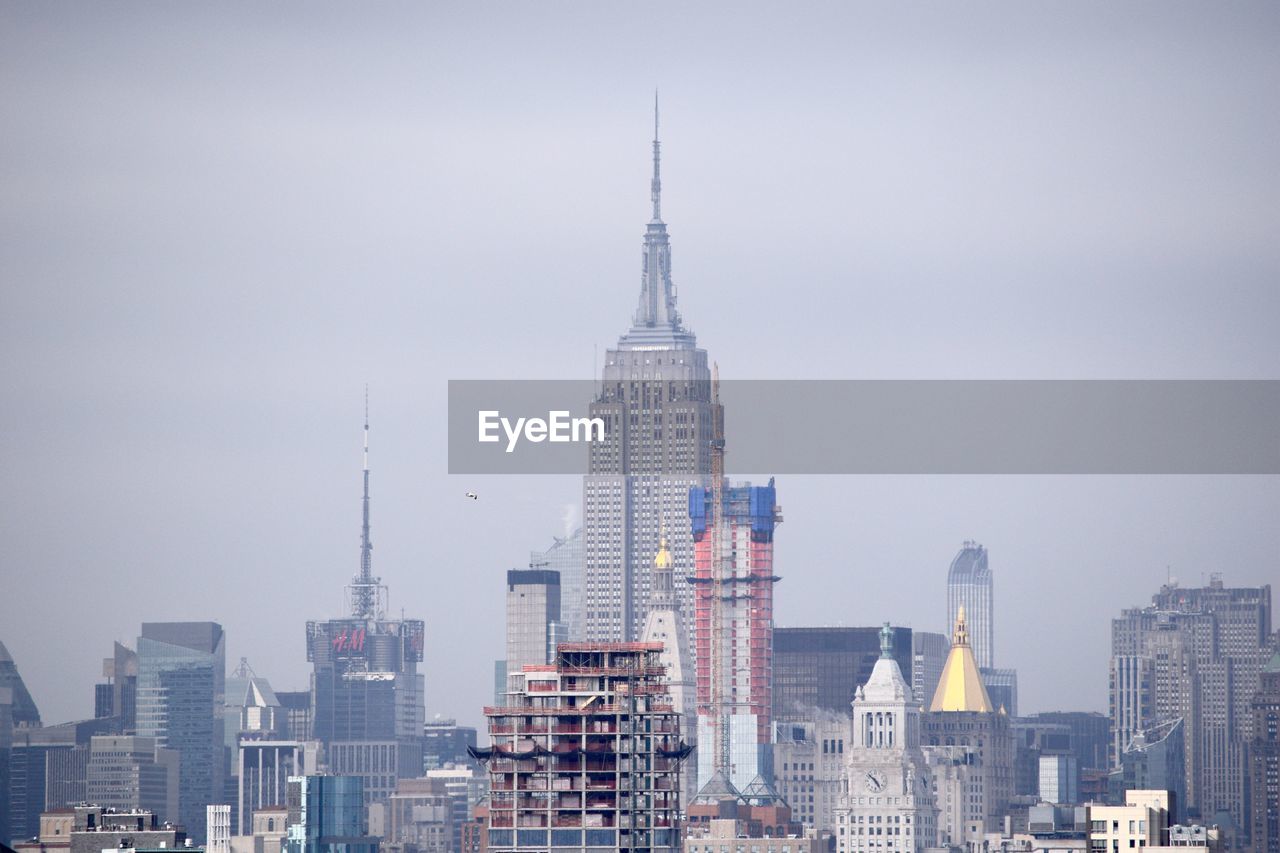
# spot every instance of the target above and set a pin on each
(129, 773)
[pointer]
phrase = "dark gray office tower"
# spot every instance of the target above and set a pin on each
(1002, 687)
(17, 709)
(296, 706)
(533, 617)
(366, 693)
(822, 667)
(446, 742)
(1032, 739)
(34, 750)
(182, 669)
(116, 698)
(1194, 654)
(655, 399)
(1090, 735)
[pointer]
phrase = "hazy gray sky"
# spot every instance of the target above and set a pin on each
(217, 222)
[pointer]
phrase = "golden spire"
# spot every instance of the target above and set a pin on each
(662, 581)
(663, 558)
(960, 688)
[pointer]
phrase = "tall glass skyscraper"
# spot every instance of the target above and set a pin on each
(182, 670)
(969, 585)
(565, 556)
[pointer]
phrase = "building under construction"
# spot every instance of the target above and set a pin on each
(733, 581)
(587, 754)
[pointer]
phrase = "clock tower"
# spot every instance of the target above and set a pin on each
(886, 805)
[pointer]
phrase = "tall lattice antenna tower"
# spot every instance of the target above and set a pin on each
(367, 594)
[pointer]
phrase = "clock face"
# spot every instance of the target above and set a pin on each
(875, 781)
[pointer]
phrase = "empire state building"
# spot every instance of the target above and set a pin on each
(655, 399)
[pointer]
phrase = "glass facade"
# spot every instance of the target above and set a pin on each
(821, 667)
(327, 815)
(565, 556)
(970, 585)
(181, 678)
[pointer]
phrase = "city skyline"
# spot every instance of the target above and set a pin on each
(135, 468)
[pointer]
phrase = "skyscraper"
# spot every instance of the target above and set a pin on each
(928, 654)
(654, 398)
(1264, 758)
(969, 585)
(327, 815)
(17, 708)
(33, 751)
(117, 696)
(733, 531)
(565, 556)
(129, 773)
(367, 695)
(1194, 654)
(182, 669)
(533, 617)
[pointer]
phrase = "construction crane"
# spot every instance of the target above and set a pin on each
(717, 549)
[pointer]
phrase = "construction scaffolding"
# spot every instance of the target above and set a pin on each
(733, 615)
(587, 756)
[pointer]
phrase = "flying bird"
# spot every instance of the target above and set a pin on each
(473, 496)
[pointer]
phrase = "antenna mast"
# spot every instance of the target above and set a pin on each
(366, 591)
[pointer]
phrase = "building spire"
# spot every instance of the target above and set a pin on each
(961, 688)
(656, 323)
(655, 186)
(365, 588)
(960, 637)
